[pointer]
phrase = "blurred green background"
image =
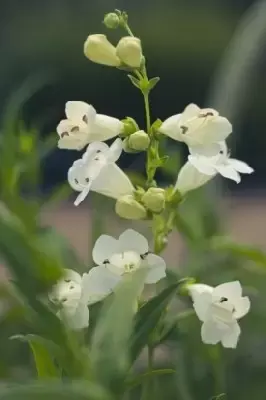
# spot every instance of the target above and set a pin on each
(211, 52)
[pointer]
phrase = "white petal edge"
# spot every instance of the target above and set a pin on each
(156, 269)
(76, 110)
(231, 336)
(211, 333)
(240, 166)
(105, 128)
(227, 171)
(131, 240)
(104, 247)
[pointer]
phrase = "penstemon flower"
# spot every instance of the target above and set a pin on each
(129, 51)
(117, 258)
(97, 171)
(68, 296)
(83, 125)
(219, 309)
(220, 163)
(197, 127)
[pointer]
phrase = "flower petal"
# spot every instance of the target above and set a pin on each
(79, 319)
(73, 175)
(240, 166)
(115, 151)
(93, 149)
(131, 240)
(157, 268)
(242, 307)
(197, 289)
(79, 111)
(202, 303)
(203, 164)
(231, 335)
(231, 290)
(104, 247)
(105, 128)
(82, 196)
(98, 284)
(203, 150)
(63, 126)
(189, 178)
(229, 172)
(215, 130)
(170, 127)
(112, 182)
(211, 332)
(191, 111)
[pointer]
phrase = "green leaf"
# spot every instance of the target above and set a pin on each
(141, 378)
(110, 342)
(134, 80)
(153, 82)
(148, 317)
(54, 391)
(245, 251)
(45, 352)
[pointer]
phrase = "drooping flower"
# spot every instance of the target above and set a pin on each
(117, 258)
(219, 309)
(196, 126)
(98, 49)
(129, 51)
(220, 163)
(83, 125)
(129, 208)
(97, 171)
(68, 295)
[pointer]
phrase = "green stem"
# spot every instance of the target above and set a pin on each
(147, 112)
(146, 393)
(127, 28)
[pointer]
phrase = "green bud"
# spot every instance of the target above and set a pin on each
(111, 20)
(154, 199)
(139, 141)
(130, 126)
(127, 207)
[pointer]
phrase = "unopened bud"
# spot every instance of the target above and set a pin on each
(127, 207)
(111, 20)
(98, 49)
(139, 141)
(130, 126)
(154, 199)
(129, 51)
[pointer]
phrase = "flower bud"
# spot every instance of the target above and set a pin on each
(130, 126)
(139, 141)
(154, 199)
(127, 207)
(98, 49)
(111, 20)
(129, 51)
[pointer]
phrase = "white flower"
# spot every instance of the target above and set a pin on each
(220, 163)
(189, 178)
(98, 49)
(129, 51)
(68, 296)
(219, 309)
(83, 125)
(117, 258)
(97, 171)
(196, 126)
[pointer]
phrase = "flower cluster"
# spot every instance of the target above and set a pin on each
(204, 132)
(116, 259)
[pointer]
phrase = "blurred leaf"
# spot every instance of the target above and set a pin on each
(42, 350)
(148, 317)
(110, 342)
(221, 243)
(54, 391)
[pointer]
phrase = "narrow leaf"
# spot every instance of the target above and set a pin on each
(110, 342)
(134, 80)
(45, 352)
(148, 317)
(141, 378)
(153, 82)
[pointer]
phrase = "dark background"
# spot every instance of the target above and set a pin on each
(184, 41)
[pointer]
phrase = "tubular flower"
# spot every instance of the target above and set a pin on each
(97, 171)
(117, 258)
(196, 126)
(83, 125)
(67, 294)
(219, 309)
